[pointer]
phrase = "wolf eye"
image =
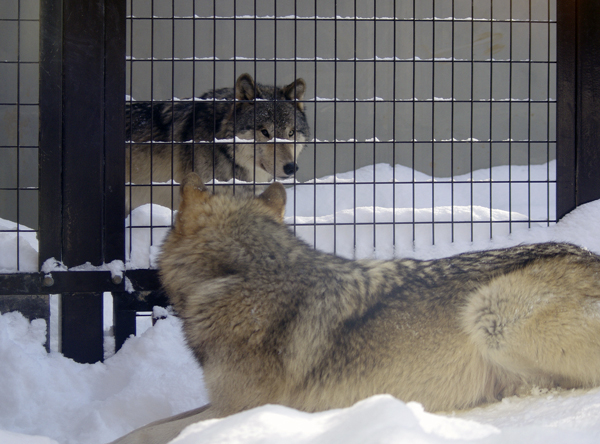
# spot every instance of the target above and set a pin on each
(291, 133)
(265, 133)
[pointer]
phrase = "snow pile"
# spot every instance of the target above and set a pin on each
(380, 418)
(142, 242)
(47, 394)
(375, 216)
(25, 241)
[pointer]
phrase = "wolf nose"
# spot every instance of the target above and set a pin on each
(290, 168)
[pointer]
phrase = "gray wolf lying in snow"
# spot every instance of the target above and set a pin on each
(272, 320)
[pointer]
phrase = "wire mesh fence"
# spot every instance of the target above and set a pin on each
(19, 65)
(414, 110)
(429, 120)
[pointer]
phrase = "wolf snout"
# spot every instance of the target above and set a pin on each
(290, 168)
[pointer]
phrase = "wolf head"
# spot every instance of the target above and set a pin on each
(274, 118)
(199, 208)
(219, 235)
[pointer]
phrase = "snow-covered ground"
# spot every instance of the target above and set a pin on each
(46, 398)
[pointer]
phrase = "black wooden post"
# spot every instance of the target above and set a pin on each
(124, 320)
(81, 327)
(82, 137)
(578, 88)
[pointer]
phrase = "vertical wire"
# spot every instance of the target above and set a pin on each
(354, 63)
(472, 110)
(374, 125)
(274, 135)
(335, 104)
(18, 141)
(414, 70)
(151, 186)
(315, 145)
(193, 92)
(510, 115)
(131, 65)
(491, 127)
(394, 22)
(255, 68)
(433, 142)
(548, 89)
(173, 108)
(235, 127)
(214, 98)
(295, 103)
(452, 100)
(529, 122)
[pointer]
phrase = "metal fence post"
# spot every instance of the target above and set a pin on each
(82, 137)
(578, 88)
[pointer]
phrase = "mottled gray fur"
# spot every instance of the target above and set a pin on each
(272, 320)
(166, 131)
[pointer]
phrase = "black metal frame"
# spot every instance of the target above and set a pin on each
(578, 126)
(82, 86)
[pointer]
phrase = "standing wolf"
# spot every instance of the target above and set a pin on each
(273, 321)
(207, 136)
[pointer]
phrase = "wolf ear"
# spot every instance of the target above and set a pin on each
(193, 194)
(245, 89)
(275, 197)
(295, 91)
(191, 183)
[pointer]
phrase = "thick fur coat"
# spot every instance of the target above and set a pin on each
(272, 320)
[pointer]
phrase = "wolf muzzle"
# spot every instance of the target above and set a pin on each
(290, 168)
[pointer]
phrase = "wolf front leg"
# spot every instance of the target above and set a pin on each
(165, 430)
(540, 325)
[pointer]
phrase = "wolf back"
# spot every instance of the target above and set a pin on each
(273, 321)
(314, 331)
(176, 137)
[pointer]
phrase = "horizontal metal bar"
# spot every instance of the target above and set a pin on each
(427, 222)
(275, 60)
(143, 280)
(76, 282)
(61, 282)
(338, 19)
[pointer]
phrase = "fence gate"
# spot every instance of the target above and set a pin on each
(441, 88)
